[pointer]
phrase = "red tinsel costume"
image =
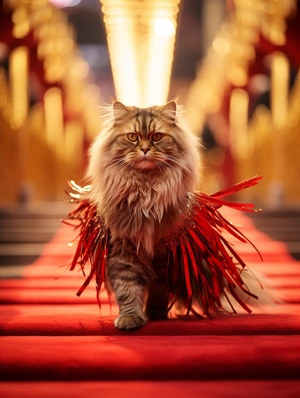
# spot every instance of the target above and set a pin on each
(196, 245)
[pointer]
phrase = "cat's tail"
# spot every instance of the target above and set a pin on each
(257, 294)
(263, 298)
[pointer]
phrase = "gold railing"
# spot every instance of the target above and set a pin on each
(273, 146)
(267, 144)
(45, 116)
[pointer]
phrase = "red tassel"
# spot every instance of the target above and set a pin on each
(202, 264)
(201, 232)
(92, 245)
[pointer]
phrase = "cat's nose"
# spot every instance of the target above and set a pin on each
(145, 150)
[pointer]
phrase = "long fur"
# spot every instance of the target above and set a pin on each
(142, 203)
(140, 184)
(142, 166)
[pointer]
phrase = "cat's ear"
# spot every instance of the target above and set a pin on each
(120, 111)
(169, 111)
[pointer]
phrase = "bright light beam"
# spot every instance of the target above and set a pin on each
(141, 37)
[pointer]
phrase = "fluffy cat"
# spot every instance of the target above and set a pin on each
(142, 166)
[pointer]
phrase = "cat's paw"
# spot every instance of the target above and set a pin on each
(130, 321)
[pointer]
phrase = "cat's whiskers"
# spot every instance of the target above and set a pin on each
(161, 165)
(169, 165)
(115, 166)
(173, 161)
(107, 157)
(114, 162)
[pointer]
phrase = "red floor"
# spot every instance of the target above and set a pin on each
(55, 344)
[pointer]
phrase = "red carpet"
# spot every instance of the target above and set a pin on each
(56, 344)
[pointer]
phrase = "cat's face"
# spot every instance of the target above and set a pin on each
(146, 138)
(146, 154)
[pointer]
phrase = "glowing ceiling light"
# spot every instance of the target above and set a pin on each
(141, 37)
(160, 58)
(164, 28)
(65, 3)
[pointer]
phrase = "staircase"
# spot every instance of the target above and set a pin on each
(55, 344)
(24, 231)
(281, 225)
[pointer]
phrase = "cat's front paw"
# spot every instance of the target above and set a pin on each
(129, 321)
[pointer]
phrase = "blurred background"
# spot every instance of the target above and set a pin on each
(232, 64)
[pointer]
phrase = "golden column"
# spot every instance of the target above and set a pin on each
(141, 38)
(279, 109)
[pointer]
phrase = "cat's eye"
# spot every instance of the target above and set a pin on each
(132, 137)
(156, 137)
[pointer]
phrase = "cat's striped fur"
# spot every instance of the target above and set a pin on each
(142, 165)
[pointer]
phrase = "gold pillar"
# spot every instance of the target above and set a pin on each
(141, 37)
(18, 70)
(239, 140)
(279, 108)
(54, 124)
(279, 90)
(73, 144)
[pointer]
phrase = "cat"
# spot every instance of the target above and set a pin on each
(142, 166)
